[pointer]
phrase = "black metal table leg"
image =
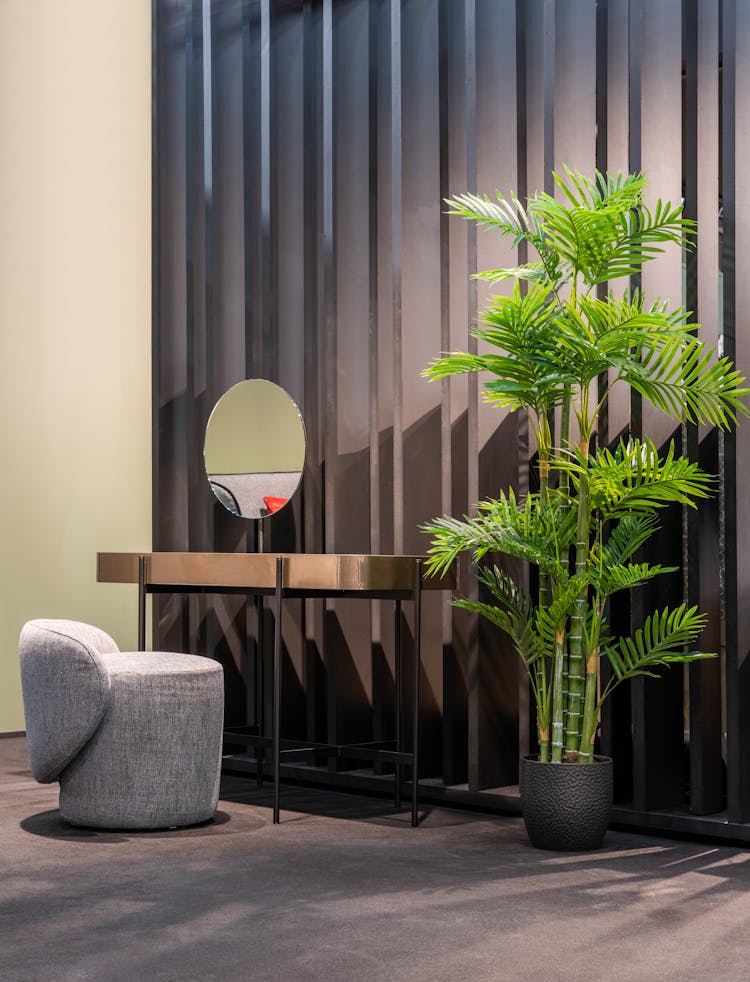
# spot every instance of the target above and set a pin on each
(141, 603)
(277, 688)
(259, 709)
(415, 708)
(399, 697)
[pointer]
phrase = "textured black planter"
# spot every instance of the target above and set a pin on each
(566, 806)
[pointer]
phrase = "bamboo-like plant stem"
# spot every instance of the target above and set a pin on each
(565, 439)
(542, 724)
(543, 499)
(543, 732)
(588, 729)
(564, 484)
(578, 619)
(558, 695)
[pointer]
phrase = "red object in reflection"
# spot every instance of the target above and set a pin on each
(273, 504)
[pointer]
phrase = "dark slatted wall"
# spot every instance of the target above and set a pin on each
(302, 150)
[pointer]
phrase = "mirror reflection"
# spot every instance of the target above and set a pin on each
(254, 449)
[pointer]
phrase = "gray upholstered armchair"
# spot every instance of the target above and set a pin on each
(134, 738)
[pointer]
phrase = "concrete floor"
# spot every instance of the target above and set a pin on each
(345, 890)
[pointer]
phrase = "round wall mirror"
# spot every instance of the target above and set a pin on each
(254, 449)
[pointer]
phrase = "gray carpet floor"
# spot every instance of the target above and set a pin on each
(344, 889)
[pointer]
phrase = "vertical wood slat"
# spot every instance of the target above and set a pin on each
(177, 464)
(700, 559)
(207, 624)
(601, 33)
(328, 263)
(736, 803)
(454, 708)
(548, 84)
(601, 153)
(328, 267)
(707, 783)
(690, 525)
(477, 776)
(663, 752)
(396, 233)
(525, 721)
(158, 34)
(265, 326)
(190, 275)
(638, 696)
(193, 125)
(312, 482)
(373, 311)
(378, 666)
(251, 296)
(736, 296)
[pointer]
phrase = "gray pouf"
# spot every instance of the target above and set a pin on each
(134, 738)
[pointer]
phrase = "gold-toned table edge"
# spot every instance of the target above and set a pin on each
(251, 572)
(293, 574)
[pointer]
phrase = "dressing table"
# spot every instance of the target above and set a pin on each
(281, 576)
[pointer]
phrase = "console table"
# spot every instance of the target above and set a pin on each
(301, 575)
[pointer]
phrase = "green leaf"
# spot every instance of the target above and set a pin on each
(661, 641)
(527, 643)
(532, 272)
(553, 618)
(541, 533)
(505, 589)
(625, 538)
(683, 378)
(634, 478)
(626, 577)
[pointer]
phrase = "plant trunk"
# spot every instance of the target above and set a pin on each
(588, 731)
(576, 666)
(558, 696)
(543, 745)
(564, 485)
(541, 681)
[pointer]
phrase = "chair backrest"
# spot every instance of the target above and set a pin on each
(65, 690)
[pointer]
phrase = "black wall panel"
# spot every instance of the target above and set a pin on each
(302, 152)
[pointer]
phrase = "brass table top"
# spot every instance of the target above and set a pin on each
(304, 572)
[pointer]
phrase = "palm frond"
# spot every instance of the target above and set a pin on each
(507, 217)
(611, 579)
(527, 529)
(661, 641)
(633, 478)
(551, 619)
(642, 234)
(625, 538)
(505, 589)
(684, 378)
(531, 371)
(532, 272)
(526, 641)
(622, 325)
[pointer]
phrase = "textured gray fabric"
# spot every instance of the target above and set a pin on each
(249, 490)
(65, 690)
(155, 760)
(152, 758)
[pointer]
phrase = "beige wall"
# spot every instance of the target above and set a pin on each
(75, 264)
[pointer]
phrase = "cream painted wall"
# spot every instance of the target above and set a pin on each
(75, 284)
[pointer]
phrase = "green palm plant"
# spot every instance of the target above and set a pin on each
(554, 337)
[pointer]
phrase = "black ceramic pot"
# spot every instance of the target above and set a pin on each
(566, 806)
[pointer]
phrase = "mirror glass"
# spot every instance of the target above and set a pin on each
(255, 448)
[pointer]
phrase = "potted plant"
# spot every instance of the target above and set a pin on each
(550, 340)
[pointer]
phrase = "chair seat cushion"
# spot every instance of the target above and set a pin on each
(155, 759)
